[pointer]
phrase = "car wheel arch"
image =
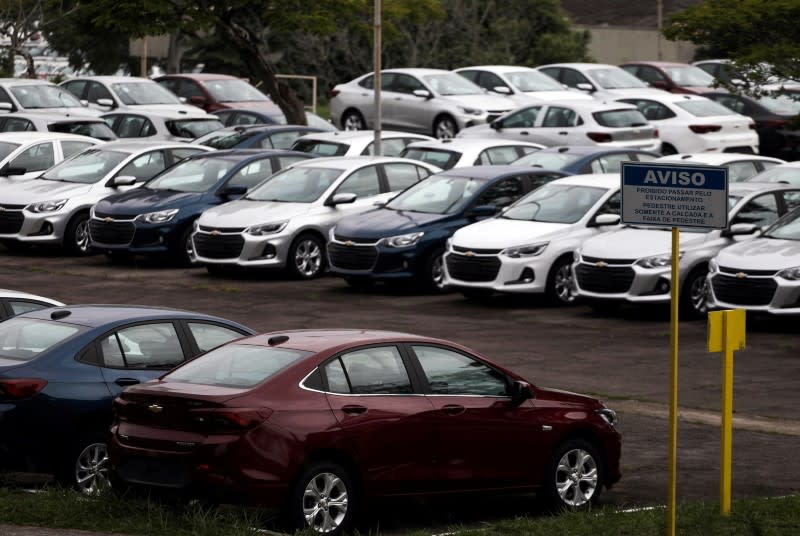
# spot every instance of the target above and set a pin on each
(338, 456)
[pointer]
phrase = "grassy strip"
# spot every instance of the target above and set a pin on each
(56, 508)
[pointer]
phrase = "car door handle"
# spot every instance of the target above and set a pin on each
(398, 98)
(124, 382)
(354, 410)
(563, 133)
(453, 409)
(524, 133)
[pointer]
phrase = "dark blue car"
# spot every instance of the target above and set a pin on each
(583, 159)
(255, 136)
(158, 217)
(406, 238)
(61, 368)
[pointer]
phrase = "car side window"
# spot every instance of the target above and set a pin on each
(243, 118)
(761, 211)
(36, 158)
(17, 124)
(472, 76)
(554, 73)
(143, 346)
(286, 161)
(129, 126)
(729, 101)
(377, 370)
(559, 117)
(490, 81)
(180, 154)
(404, 83)
(23, 306)
(76, 87)
(70, 148)
(739, 171)
(390, 147)
(452, 373)
(368, 82)
(502, 193)
(208, 336)
(188, 89)
(649, 74)
(572, 78)
(791, 200)
(363, 183)
(497, 156)
(251, 174)
(524, 118)
(652, 110)
(281, 140)
(400, 176)
(613, 205)
(610, 163)
(97, 92)
(145, 166)
(4, 97)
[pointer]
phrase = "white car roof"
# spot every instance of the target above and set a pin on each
(715, 159)
(360, 135)
(24, 82)
(166, 115)
(134, 145)
(579, 66)
(5, 293)
(112, 79)
(350, 162)
(609, 181)
(32, 137)
(416, 71)
(590, 106)
(464, 144)
(671, 97)
(497, 68)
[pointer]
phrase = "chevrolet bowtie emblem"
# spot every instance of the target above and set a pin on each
(601, 264)
(740, 275)
(469, 254)
(348, 243)
(155, 408)
(108, 219)
(215, 233)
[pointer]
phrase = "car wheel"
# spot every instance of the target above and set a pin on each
(476, 294)
(560, 288)
(76, 235)
(445, 128)
(359, 282)
(86, 467)
(432, 276)
(574, 476)
(694, 297)
(667, 149)
(185, 254)
(353, 120)
(306, 260)
(323, 499)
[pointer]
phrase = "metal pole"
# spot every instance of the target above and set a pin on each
(726, 452)
(660, 16)
(377, 88)
(143, 64)
(673, 382)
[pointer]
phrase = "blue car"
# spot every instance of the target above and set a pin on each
(584, 159)
(255, 136)
(268, 116)
(405, 239)
(61, 368)
(158, 217)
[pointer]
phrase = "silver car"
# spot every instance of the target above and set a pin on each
(522, 85)
(429, 101)
(355, 143)
(25, 155)
(761, 275)
(599, 79)
(161, 125)
(54, 209)
(130, 93)
(632, 264)
(462, 152)
(573, 123)
(284, 222)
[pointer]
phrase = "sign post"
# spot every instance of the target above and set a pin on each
(674, 196)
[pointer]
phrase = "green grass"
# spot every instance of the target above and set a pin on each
(55, 508)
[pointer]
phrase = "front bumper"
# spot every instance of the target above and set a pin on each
(19, 224)
(488, 269)
(234, 247)
(133, 236)
(753, 290)
(371, 259)
(621, 280)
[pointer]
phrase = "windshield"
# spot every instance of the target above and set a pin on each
(733, 200)
(782, 104)
(320, 147)
(439, 158)
(533, 81)
(226, 139)
(44, 96)
(437, 195)
(143, 93)
(555, 203)
(194, 175)
(23, 339)
(99, 130)
(705, 108)
(193, 128)
(620, 118)
(236, 365)
(7, 148)
(787, 228)
(87, 167)
(296, 185)
(689, 75)
(451, 84)
(615, 78)
(546, 160)
(233, 90)
(788, 174)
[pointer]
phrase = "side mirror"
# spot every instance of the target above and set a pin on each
(232, 191)
(585, 86)
(197, 100)
(660, 84)
(379, 203)
(6, 106)
(8, 171)
(108, 103)
(482, 211)
(340, 199)
(424, 93)
(740, 229)
(496, 124)
(605, 219)
(520, 392)
(503, 90)
(123, 180)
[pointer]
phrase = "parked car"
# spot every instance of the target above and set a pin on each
(598, 79)
(269, 116)
(14, 303)
(775, 121)
(632, 264)
(94, 127)
(741, 167)
(126, 93)
(254, 137)
(405, 239)
(355, 143)
(465, 152)
(284, 222)
(584, 159)
(161, 126)
(54, 208)
(723, 70)
(671, 76)
(761, 275)
(695, 124)
(429, 101)
(522, 85)
(213, 92)
(158, 217)
(61, 368)
(28, 94)
(788, 173)
(528, 248)
(573, 123)
(337, 418)
(25, 155)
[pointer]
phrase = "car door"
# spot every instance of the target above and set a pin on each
(361, 96)
(385, 420)
(521, 125)
(483, 438)
(559, 125)
(402, 109)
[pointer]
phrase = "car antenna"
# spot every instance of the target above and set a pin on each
(277, 339)
(61, 313)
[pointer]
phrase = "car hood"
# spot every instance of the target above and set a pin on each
(242, 213)
(631, 243)
(557, 95)
(545, 394)
(482, 102)
(498, 233)
(383, 222)
(22, 193)
(761, 254)
(182, 109)
(141, 201)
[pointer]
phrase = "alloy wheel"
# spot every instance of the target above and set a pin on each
(308, 258)
(563, 285)
(437, 271)
(576, 477)
(445, 129)
(81, 236)
(325, 503)
(698, 294)
(91, 469)
(353, 121)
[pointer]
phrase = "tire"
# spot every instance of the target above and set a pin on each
(667, 149)
(183, 255)
(76, 235)
(85, 468)
(445, 127)
(432, 276)
(476, 294)
(359, 282)
(694, 295)
(560, 289)
(323, 499)
(353, 120)
(574, 477)
(306, 259)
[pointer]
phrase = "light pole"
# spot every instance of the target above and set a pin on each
(377, 78)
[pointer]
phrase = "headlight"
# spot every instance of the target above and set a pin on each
(657, 261)
(713, 265)
(470, 111)
(792, 274)
(528, 250)
(608, 415)
(47, 206)
(267, 228)
(402, 241)
(162, 216)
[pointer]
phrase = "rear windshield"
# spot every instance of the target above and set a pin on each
(437, 157)
(193, 128)
(546, 160)
(229, 139)
(236, 365)
(22, 339)
(620, 118)
(322, 148)
(705, 108)
(99, 130)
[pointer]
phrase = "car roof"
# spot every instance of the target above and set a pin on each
(497, 68)
(135, 145)
(317, 340)
(586, 150)
(96, 315)
(6, 293)
(715, 159)
(199, 76)
(244, 154)
(24, 82)
(493, 172)
(462, 144)
(657, 63)
(349, 162)
(578, 65)
(418, 71)
(591, 106)
(55, 117)
(109, 79)
(747, 187)
(604, 180)
(166, 114)
(360, 135)
(31, 137)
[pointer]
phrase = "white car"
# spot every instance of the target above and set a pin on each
(461, 152)
(28, 95)
(25, 155)
(695, 124)
(14, 303)
(601, 80)
(130, 93)
(741, 167)
(529, 247)
(161, 125)
(632, 264)
(355, 142)
(84, 125)
(573, 123)
(787, 173)
(522, 85)
(284, 222)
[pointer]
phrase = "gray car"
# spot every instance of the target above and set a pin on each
(632, 264)
(54, 209)
(429, 101)
(284, 222)
(161, 125)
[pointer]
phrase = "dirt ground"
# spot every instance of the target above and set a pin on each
(622, 358)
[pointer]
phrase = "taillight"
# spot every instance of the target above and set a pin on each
(21, 388)
(751, 126)
(655, 132)
(704, 129)
(774, 123)
(230, 419)
(599, 137)
(334, 92)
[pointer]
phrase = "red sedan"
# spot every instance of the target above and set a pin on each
(318, 421)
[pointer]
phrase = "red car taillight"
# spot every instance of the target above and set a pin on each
(230, 419)
(655, 132)
(334, 92)
(751, 126)
(21, 388)
(704, 129)
(599, 137)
